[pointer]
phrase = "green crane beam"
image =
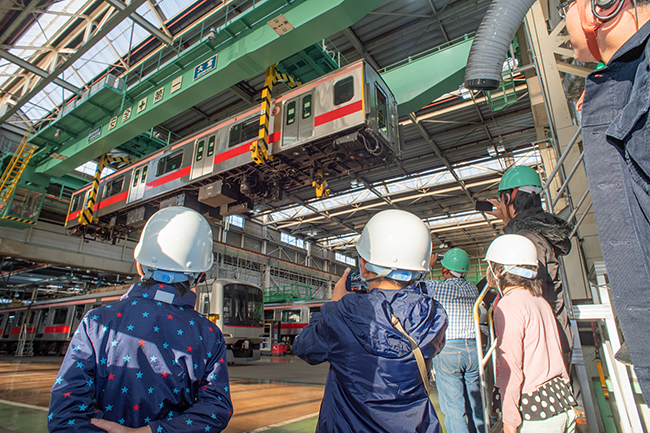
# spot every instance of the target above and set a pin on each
(215, 71)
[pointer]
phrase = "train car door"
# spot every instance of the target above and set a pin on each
(203, 160)
(138, 183)
(42, 320)
(299, 119)
(76, 318)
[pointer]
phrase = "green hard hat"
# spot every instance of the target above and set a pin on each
(519, 175)
(456, 260)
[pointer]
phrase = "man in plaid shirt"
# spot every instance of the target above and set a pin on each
(457, 376)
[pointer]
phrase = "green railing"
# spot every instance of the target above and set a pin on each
(292, 292)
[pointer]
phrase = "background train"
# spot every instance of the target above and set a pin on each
(325, 129)
(235, 306)
(291, 318)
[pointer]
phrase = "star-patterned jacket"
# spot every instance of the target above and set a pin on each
(148, 359)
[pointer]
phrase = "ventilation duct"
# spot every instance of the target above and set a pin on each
(492, 41)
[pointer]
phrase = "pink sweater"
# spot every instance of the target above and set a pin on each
(528, 349)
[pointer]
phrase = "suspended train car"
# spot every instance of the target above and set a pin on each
(328, 128)
(235, 306)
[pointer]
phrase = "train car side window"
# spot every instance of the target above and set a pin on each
(169, 163)
(211, 145)
(60, 316)
(382, 111)
(291, 112)
(144, 174)
(244, 131)
(306, 107)
(32, 316)
(199, 150)
(21, 317)
(113, 187)
(136, 176)
(343, 90)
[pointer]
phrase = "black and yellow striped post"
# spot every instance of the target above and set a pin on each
(86, 215)
(260, 149)
(20, 220)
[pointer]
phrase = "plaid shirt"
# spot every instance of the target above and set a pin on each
(457, 296)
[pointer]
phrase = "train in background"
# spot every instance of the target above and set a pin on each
(331, 127)
(291, 318)
(235, 306)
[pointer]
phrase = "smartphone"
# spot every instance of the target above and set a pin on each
(355, 283)
(484, 206)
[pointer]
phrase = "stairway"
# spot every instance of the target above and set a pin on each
(15, 169)
(25, 345)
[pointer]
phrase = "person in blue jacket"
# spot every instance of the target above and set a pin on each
(149, 362)
(379, 344)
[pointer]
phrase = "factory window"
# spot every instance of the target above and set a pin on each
(345, 259)
(60, 316)
(292, 240)
(236, 220)
(113, 187)
(306, 107)
(211, 146)
(244, 131)
(169, 163)
(343, 90)
(144, 174)
(291, 112)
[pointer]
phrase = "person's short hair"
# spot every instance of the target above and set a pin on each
(524, 200)
(182, 288)
(507, 279)
(401, 284)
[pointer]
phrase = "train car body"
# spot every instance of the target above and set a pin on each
(290, 318)
(328, 128)
(52, 323)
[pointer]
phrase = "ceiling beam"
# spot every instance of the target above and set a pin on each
(38, 71)
(27, 10)
(155, 31)
(358, 45)
(92, 41)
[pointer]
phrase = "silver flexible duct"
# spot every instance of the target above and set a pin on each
(491, 43)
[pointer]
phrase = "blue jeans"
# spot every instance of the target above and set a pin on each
(458, 384)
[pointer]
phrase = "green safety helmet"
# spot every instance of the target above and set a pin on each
(521, 176)
(456, 260)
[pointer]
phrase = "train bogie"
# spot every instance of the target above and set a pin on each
(325, 129)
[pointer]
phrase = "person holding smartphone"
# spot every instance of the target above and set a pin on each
(379, 343)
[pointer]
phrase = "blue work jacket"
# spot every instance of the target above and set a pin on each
(616, 131)
(374, 384)
(148, 359)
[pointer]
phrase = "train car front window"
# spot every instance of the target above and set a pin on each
(343, 90)
(242, 305)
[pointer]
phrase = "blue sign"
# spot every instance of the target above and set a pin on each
(205, 67)
(95, 134)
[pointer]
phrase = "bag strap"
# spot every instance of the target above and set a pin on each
(416, 351)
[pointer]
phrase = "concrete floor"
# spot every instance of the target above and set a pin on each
(274, 395)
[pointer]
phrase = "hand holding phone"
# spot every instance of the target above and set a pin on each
(484, 206)
(354, 282)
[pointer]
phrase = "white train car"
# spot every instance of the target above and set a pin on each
(325, 129)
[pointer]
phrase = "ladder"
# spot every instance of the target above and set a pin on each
(25, 345)
(15, 169)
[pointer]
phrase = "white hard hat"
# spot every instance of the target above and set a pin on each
(513, 251)
(176, 239)
(396, 239)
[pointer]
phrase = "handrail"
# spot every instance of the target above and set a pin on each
(558, 166)
(484, 358)
(568, 179)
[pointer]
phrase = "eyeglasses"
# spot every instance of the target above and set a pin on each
(564, 7)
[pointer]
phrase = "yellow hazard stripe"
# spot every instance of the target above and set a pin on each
(20, 220)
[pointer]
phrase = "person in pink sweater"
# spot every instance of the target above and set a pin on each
(532, 382)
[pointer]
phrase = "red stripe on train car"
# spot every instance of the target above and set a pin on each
(57, 329)
(168, 178)
(242, 326)
(235, 151)
(338, 113)
(74, 215)
(291, 326)
(112, 200)
(15, 331)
